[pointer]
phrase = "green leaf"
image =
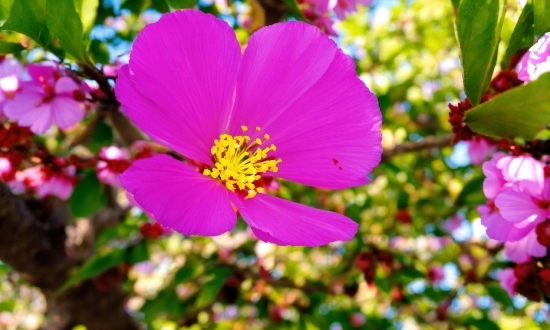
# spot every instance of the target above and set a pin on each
(455, 3)
(160, 5)
(210, 289)
(95, 266)
(10, 47)
(102, 136)
(499, 294)
(137, 253)
(523, 35)
(181, 4)
(88, 197)
(87, 10)
(472, 193)
(29, 18)
(5, 7)
(99, 52)
(188, 272)
(64, 23)
(294, 10)
(520, 112)
(542, 16)
(478, 31)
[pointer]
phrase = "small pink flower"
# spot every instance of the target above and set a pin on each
(291, 106)
(112, 162)
(55, 184)
(5, 167)
(536, 61)
(527, 247)
(112, 70)
(10, 77)
(495, 180)
(349, 6)
(507, 280)
(453, 223)
(49, 97)
(479, 148)
(435, 274)
(497, 227)
(525, 204)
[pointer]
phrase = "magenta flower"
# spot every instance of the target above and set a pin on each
(536, 61)
(49, 97)
(290, 106)
(112, 162)
(348, 6)
(479, 148)
(527, 247)
(45, 183)
(507, 280)
(10, 76)
(525, 204)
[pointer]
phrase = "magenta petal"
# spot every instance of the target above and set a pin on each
(42, 71)
(519, 207)
(298, 87)
(521, 250)
(287, 223)
(186, 66)
(28, 110)
(179, 197)
(502, 230)
(66, 111)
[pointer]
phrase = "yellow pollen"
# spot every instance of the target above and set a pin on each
(239, 163)
(258, 129)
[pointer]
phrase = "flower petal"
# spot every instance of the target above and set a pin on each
(66, 111)
(23, 109)
(287, 223)
(40, 72)
(298, 87)
(502, 230)
(186, 65)
(519, 208)
(521, 250)
(179, 197)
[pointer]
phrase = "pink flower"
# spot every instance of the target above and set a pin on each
(479, 148)
(112, 70)
(507, 280)
(453, 223)
(44, 183)
(291, 106)
(494, 169)
(536, 61)
(348, 6)
(10, 76)
(112, 162)
(48, 98)
(527, 247)
(435, 274)
(525, 204)
(5, 167)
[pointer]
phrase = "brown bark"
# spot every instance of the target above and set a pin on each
(33, 242)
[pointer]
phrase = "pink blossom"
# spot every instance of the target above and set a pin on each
(507, 280)
(112, 162)
(497, 227)
(10, 76)
(527, 247)
(479, 148)
(290, 106)
(453, 223)
(525, 204)
(49, 97)
(536, 61)
(5, 166)
(495, 179)
(55, 184)
(112, 70)
(435, 274)
(348, 6)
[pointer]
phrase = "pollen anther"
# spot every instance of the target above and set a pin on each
(238, 163)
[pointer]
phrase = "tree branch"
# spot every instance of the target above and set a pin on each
(33, 242)
(429, 142)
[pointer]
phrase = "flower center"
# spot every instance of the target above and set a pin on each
(238, 162)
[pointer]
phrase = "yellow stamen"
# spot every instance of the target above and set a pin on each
(239, 164)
